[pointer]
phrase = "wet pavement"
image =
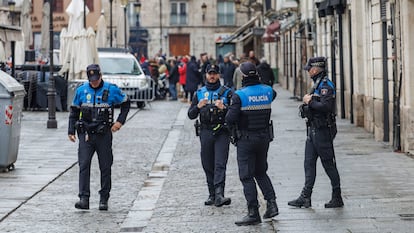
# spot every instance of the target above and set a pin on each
(158, 184)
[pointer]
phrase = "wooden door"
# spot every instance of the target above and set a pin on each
(179, 44)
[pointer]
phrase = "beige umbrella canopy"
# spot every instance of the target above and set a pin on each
(79, 46)
(120, 28)
(45, 41)
(26, 23)
(101, 32)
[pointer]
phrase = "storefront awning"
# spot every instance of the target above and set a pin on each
(10, 33)
(273, 27)
(242, 32)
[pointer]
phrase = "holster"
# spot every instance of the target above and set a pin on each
(197, 127)
(80, 127)
(235, 134)
(271, 131)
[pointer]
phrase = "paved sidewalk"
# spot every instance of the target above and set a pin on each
(159, 185)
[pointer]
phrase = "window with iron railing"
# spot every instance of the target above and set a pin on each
(226, 13)
(178, 15)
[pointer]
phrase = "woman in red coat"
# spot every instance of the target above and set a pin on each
(182, 70)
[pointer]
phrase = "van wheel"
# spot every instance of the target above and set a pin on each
(141, 104)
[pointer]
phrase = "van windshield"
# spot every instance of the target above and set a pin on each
(112, 65)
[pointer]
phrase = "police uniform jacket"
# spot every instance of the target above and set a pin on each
(210, 115)
(250, 106)
(322, 104)
(95, 106)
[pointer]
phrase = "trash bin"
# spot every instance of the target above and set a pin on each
(72, 85)
(11, 104)
(276, 74)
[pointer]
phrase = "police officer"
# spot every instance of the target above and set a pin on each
(210, 105)
(319, 111)
(249, 113)
(91, 115)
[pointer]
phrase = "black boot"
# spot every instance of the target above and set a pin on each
(211, 198)
(103, 204)
(271, 209)
(252, 218)
(83, 203)
(220, 199)
(303, 200)
(336, 200)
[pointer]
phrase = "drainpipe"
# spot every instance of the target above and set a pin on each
(385, 72)
(397, 84)
(351, 70)
(333, 62)
(286, 62)
(341, 66)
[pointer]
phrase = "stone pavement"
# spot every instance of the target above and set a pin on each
(159, 185)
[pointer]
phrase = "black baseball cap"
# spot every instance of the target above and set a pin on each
(248, 69)
(94, 72)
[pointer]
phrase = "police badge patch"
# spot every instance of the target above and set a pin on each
(324, 91)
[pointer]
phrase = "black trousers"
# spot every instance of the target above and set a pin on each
(102, 145)
(214, 156)
(320, 144)
(252, 162)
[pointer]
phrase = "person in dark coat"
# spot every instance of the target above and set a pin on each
(265, 72)
(173, 79)
(228, 69)
(193, 76)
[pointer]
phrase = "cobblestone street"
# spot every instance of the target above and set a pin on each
(158, 184)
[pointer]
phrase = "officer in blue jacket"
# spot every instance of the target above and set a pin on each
(319, 111)
(210, 105)
(91, 115)
(249, 116)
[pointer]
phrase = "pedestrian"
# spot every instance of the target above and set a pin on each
(193, 77)
(91, 115)
(227, 70)
(249, 116)
(210, 105)
(319, 111)
(266, 73)
(182, 70)
(204, 63)
(173, 79)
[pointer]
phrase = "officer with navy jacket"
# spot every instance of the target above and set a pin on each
(249, 116)
(91, 116)
(210, 104)
(319, 111)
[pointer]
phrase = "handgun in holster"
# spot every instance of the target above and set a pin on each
(235, 134)
(197, 127)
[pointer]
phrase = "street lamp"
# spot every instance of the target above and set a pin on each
(12, 5)
(124, 5)
(204, 10)
(84, 14)
(137, 7)
(51, 90)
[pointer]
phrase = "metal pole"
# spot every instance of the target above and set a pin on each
(84, 14)
(51, 90)
(385, 72)
(160, 27)
(125, 27)
(110, 22)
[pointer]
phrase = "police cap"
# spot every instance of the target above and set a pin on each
(213, 68)
(94, 72)
(248, 69)
(315, 62)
